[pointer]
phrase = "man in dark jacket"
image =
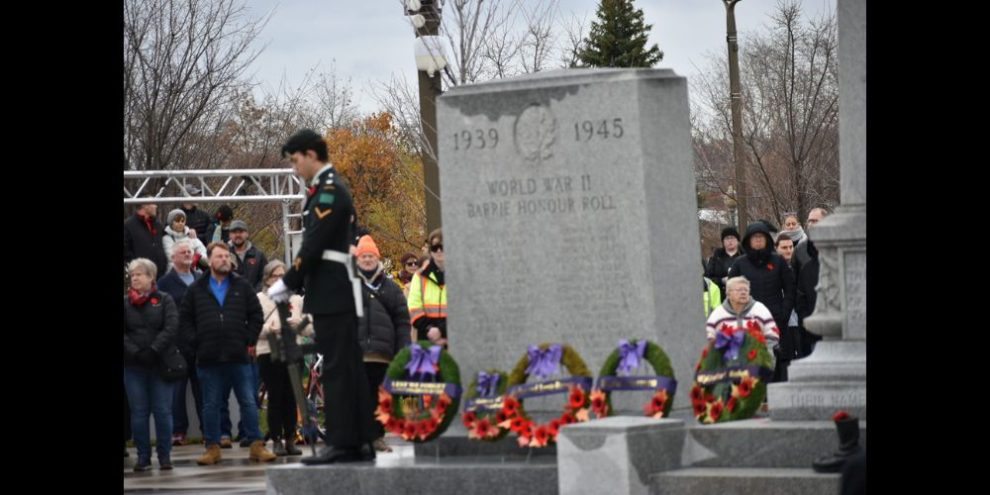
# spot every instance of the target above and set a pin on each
(196, 219)
(324, 266)
(250, 261)
(143, 237)
(384, 329)
(221, 317)
(771, 283)
(175, 283)
(720, 262)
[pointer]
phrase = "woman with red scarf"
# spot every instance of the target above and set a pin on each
(151, 325)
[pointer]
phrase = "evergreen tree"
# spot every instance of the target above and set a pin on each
(618, 38)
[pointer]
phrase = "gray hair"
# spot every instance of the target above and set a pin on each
(182, 243)
(143, 263)
(736, 281)
(270, 269)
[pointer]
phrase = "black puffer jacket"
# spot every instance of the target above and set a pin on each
(200, 221)
(220, 334)
(139, 242)
(384, 328)
(155, 325)
(807, 280)
(719, 264)
(771, 279)
(252, 266)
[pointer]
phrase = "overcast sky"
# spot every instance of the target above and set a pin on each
(369, 40)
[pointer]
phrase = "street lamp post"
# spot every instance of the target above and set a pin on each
(425, 16)
(735, 96)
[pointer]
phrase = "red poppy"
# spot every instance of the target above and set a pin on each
(154, 300)
(770, 267)
(423, 429)
(699, 408)
(567, 418)
(311, 190)
(518, 424)
(510, 406)
(554, 427)
(659, 401)
(697, 394)
(385, 403)
(408, 430)
(542, 435)
(840, 415)
(468, 418)
(709, 397)
(427, 400)
(731, 405)
(500, 417)
(752, 354)
(577, 398)
(391, 425)
(716, 410)
(598, 404)
(745, 386)
(483, 428)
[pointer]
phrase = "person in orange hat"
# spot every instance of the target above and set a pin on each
(384, 329)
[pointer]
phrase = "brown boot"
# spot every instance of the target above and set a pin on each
(260, 453)
(212, 455)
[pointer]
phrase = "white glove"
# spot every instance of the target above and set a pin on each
(279, 292)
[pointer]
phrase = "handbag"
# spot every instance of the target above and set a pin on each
(173, 365)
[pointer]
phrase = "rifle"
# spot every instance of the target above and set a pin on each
(288, 351)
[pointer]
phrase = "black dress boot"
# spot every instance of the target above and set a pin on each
(278, 448)
(848, 429)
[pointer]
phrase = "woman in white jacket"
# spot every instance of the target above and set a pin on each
(175, 231)
(281, 400)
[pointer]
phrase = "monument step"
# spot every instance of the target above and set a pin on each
(744, 481)
(761, 442)
(416, 476)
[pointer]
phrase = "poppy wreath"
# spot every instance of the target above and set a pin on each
(421, 393)
(483, 402)
(616, 374)
(730, 378)
(542, 361)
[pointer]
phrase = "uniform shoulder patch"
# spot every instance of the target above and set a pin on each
(325, 198)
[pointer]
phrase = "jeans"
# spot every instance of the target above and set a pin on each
(225, 425)
(215, 380)
(148, 394)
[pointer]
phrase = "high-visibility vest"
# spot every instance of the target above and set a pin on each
(426, 298)
(712, 296)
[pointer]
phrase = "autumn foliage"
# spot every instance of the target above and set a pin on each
(386, 181)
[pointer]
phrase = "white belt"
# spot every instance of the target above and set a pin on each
(345, 259)
(339, 257)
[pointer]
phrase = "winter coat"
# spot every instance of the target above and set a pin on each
(220, 334)
(155, 325)
(384, 329)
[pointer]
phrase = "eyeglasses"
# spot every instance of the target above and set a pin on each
(436, 247)
(412, 263)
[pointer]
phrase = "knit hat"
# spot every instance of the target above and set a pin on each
(366, 245)
(171, 216)
(726, 232)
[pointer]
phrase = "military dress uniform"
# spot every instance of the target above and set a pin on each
(323, 266)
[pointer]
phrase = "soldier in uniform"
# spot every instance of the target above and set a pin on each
(323, 266)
